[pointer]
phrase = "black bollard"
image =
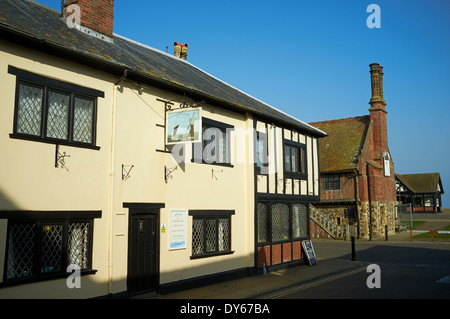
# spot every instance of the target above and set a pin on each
(386, 232)
(353, 248)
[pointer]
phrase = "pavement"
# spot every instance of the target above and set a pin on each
(329, 267)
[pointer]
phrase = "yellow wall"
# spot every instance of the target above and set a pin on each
(128, 134)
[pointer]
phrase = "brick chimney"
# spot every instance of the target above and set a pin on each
(378, 111)
(180, 50)
(96, 17)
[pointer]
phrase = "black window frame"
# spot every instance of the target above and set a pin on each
(40, 219)
(331, 181)
(215, 215)
(74, 91)
(302, 171)
(268, 227)
(225, 129)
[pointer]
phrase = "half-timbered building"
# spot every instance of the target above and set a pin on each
(422, 191)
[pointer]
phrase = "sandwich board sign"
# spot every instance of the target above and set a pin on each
(309, 252)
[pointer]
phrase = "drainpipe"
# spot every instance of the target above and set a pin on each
(370, 201)
(357, 200)
(111, 179)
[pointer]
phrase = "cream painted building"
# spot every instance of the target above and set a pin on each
(94, 203)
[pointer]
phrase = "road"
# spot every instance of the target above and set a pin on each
(407, 270)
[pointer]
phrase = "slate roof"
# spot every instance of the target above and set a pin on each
(339, 151)
(422, 183)
(26, 21)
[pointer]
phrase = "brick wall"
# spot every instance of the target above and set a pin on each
(97, 15)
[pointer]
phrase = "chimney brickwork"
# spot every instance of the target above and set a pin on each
(97, 15)
(382, 186)
(378, 113)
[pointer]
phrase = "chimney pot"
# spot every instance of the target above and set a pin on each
(180, 50)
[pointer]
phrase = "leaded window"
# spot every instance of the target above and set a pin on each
(38, 248)
(53, 111)
(211, 235)
(29, 110)
(262, 217)
(280, 222)
(331, 181)
(299, 221)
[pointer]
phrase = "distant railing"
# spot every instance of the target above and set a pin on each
(334, 230)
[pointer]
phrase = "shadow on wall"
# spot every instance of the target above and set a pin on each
(6, 203)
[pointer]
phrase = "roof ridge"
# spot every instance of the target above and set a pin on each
(339, 120)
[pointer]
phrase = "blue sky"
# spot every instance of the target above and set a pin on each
(311, 59)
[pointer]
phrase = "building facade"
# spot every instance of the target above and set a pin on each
(357, 180)
(422, 191)
(95, 202)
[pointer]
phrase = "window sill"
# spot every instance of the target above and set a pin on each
(215, 164)
(43, 277)
(221, 253)
(53, 141)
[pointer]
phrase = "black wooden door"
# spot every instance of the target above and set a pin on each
(143, 254)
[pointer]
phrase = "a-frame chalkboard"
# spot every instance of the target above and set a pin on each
(309, 252)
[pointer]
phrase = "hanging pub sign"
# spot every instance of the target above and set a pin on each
(183, 125)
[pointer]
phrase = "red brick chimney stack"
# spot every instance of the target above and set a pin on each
(96, 15)
(378, 111)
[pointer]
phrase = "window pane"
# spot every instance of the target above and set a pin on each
(224, 234)
(197, 236)
(58, 115)
(51, 248)
(20, 250)
(82, 120)
(214, 145)
(29, 110)
(280, 222)
(261, 150)
(78, 245)
(331, 181)
(211, 229)
(295, 159)
(262, 223)
(299, 221)
(302, 160)
(287, 158)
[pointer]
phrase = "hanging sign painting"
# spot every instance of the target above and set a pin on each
(183, 125)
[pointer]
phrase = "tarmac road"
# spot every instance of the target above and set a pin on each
(409, 269)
